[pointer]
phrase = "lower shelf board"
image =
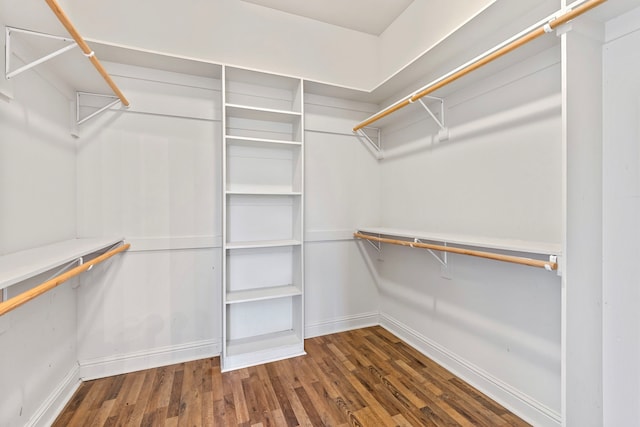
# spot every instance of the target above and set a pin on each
(262, 294)
(267, 348)
(263, 244)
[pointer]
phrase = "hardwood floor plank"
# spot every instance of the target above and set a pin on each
(269, 393)
(86, 411)
(138, 413)
(176, 393)
(242, 413)
(102, 414)
(281, 395)
(309, 407)
(207, 409)
(161, 389)
(365, 377)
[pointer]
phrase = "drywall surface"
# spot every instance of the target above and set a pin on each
(497, 175)
(621, 221)
(37, 198)
(582, 244)
(234, 33)
(342, 192)
(37, 167)
(419, 28)
(152, 175)
(149, 308)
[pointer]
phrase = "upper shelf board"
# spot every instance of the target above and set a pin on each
(512, 245)
(19, 266)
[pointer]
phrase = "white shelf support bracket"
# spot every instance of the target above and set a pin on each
(553, 259)
(7, 51)
(376, 245)
(79, 95)
(376, 146)
(442, 261)
(443, 133)
(66, 267)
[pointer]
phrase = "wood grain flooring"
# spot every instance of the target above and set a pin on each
(366, 377)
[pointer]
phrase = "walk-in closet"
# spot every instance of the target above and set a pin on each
(340, 213)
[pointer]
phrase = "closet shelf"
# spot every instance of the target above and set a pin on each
(281, 341)
(262, 192)
(19, 266)
(512, 245)
(421, 239)
(246, 141)
(263, 244)
(263, 114)
(273, 292)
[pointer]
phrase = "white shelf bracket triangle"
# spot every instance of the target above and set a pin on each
(374, 142)
(442, 261)
(7, 51)
(114, 100)
(377, 245)
(443, 134)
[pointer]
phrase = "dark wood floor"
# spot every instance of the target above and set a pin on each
(366, 377)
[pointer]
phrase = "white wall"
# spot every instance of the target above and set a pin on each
(342, 182)
(419, 28)
(621, 221)
(152, 175)
(37, 199)
(582, 243)
(498, 175)
(235, 33)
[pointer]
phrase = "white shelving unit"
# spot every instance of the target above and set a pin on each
(263, 168)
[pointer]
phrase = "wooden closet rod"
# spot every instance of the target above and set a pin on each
(489, 255)
(443, 81)
(18, 300)
(64, 19)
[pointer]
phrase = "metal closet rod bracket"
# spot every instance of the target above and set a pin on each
(376, 146)
(443, 133)
(376, 245)
(7, 51)
(443, 261)
(79, 121)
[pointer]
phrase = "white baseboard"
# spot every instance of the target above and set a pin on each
(49, 410)
(341, 324)
(147, 359)
(517, 402)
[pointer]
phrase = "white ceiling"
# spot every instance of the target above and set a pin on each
(367, 16)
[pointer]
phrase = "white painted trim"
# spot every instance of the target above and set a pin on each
(328, 235)
(148, 359)
(53, 405)
(159, 76)
(517, 402)
(142, 244)
(341, 324)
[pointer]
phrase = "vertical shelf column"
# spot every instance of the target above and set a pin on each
(263, 167)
